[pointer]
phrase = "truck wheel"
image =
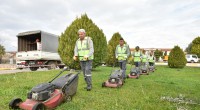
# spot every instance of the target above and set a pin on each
(52, 65)
(39, 106)
(61, 67)
(14, 103)
(33, 68)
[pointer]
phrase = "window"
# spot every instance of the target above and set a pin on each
(193, 56)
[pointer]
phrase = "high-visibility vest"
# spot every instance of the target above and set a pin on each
(122, 52)
(151, 59)
(137, 56)
(83, 49)
(144, 58)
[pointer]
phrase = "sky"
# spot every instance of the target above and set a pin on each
(144, 23)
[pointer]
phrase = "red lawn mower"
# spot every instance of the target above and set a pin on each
(151, 68)
(134, 73)
(115, 81)
(49, 95)
(144, 70)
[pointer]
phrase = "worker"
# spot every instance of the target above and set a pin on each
(144, 58)
(39, 45)
(137, 59)
(84, 51)
(151, 60)
(122, 53)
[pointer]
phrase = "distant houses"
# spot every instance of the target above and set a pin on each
(9, 58)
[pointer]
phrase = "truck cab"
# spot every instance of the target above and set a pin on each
(37, 49)
(192, 58)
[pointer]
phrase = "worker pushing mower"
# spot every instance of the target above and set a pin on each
(137, 59)
(151, 63)
(144, 66)
(117, 77)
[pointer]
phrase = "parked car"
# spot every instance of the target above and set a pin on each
(192, 58)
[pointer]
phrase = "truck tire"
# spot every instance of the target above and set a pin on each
(52, 65)
(33, 68)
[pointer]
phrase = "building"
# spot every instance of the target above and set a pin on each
(148, 50)
(9, 58)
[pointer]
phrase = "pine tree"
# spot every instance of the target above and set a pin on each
(158, 54)
(2, 52)
(113, 42)
(68, 38)
(177, 58)
(195, 49)
(188, 49)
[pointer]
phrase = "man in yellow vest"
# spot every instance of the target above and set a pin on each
(84, 51)
(151, 60)
(137, 56)
(144, 58)
(122, 52)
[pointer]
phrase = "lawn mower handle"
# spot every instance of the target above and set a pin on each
(58, 74)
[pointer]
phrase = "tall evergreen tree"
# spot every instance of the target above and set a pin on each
(2, 52)
(158, 54)
(68, 38)
(177, 58)
(195, 49)
(188, 49)
(113, 42)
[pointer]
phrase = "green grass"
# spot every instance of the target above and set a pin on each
(142, 94)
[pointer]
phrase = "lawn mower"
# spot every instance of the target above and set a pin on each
(51, 94)
(144, 70)
(151, 68)
(115, 80)
(134, 73)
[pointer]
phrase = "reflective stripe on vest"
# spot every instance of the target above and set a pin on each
(144, 58)
(137, 56)
(83, 49)
(122, 52)
(151, 59)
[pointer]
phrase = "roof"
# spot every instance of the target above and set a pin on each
(153, 49)
(32, 32)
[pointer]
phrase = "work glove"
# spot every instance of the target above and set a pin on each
(125, 57)
(75, 58)
(85, 57)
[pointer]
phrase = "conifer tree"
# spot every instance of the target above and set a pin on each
(177, 58)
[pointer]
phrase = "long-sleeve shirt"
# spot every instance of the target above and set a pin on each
(91, 48)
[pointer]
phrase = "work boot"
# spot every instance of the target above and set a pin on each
(89, 87)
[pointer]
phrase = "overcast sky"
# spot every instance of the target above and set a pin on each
(147, 23)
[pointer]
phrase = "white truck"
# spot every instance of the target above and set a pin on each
(32, 56)
(192, 58)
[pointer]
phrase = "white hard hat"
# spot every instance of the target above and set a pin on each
(81, 30)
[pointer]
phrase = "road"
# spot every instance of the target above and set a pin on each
(12, 71)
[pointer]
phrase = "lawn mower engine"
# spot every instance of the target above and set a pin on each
(115, 80)
(144, 70)
(134, 73)
(151, 68)
(41, 92)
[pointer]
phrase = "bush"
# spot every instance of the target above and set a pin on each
(177, 58)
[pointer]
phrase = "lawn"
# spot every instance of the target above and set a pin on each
(165, 89)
